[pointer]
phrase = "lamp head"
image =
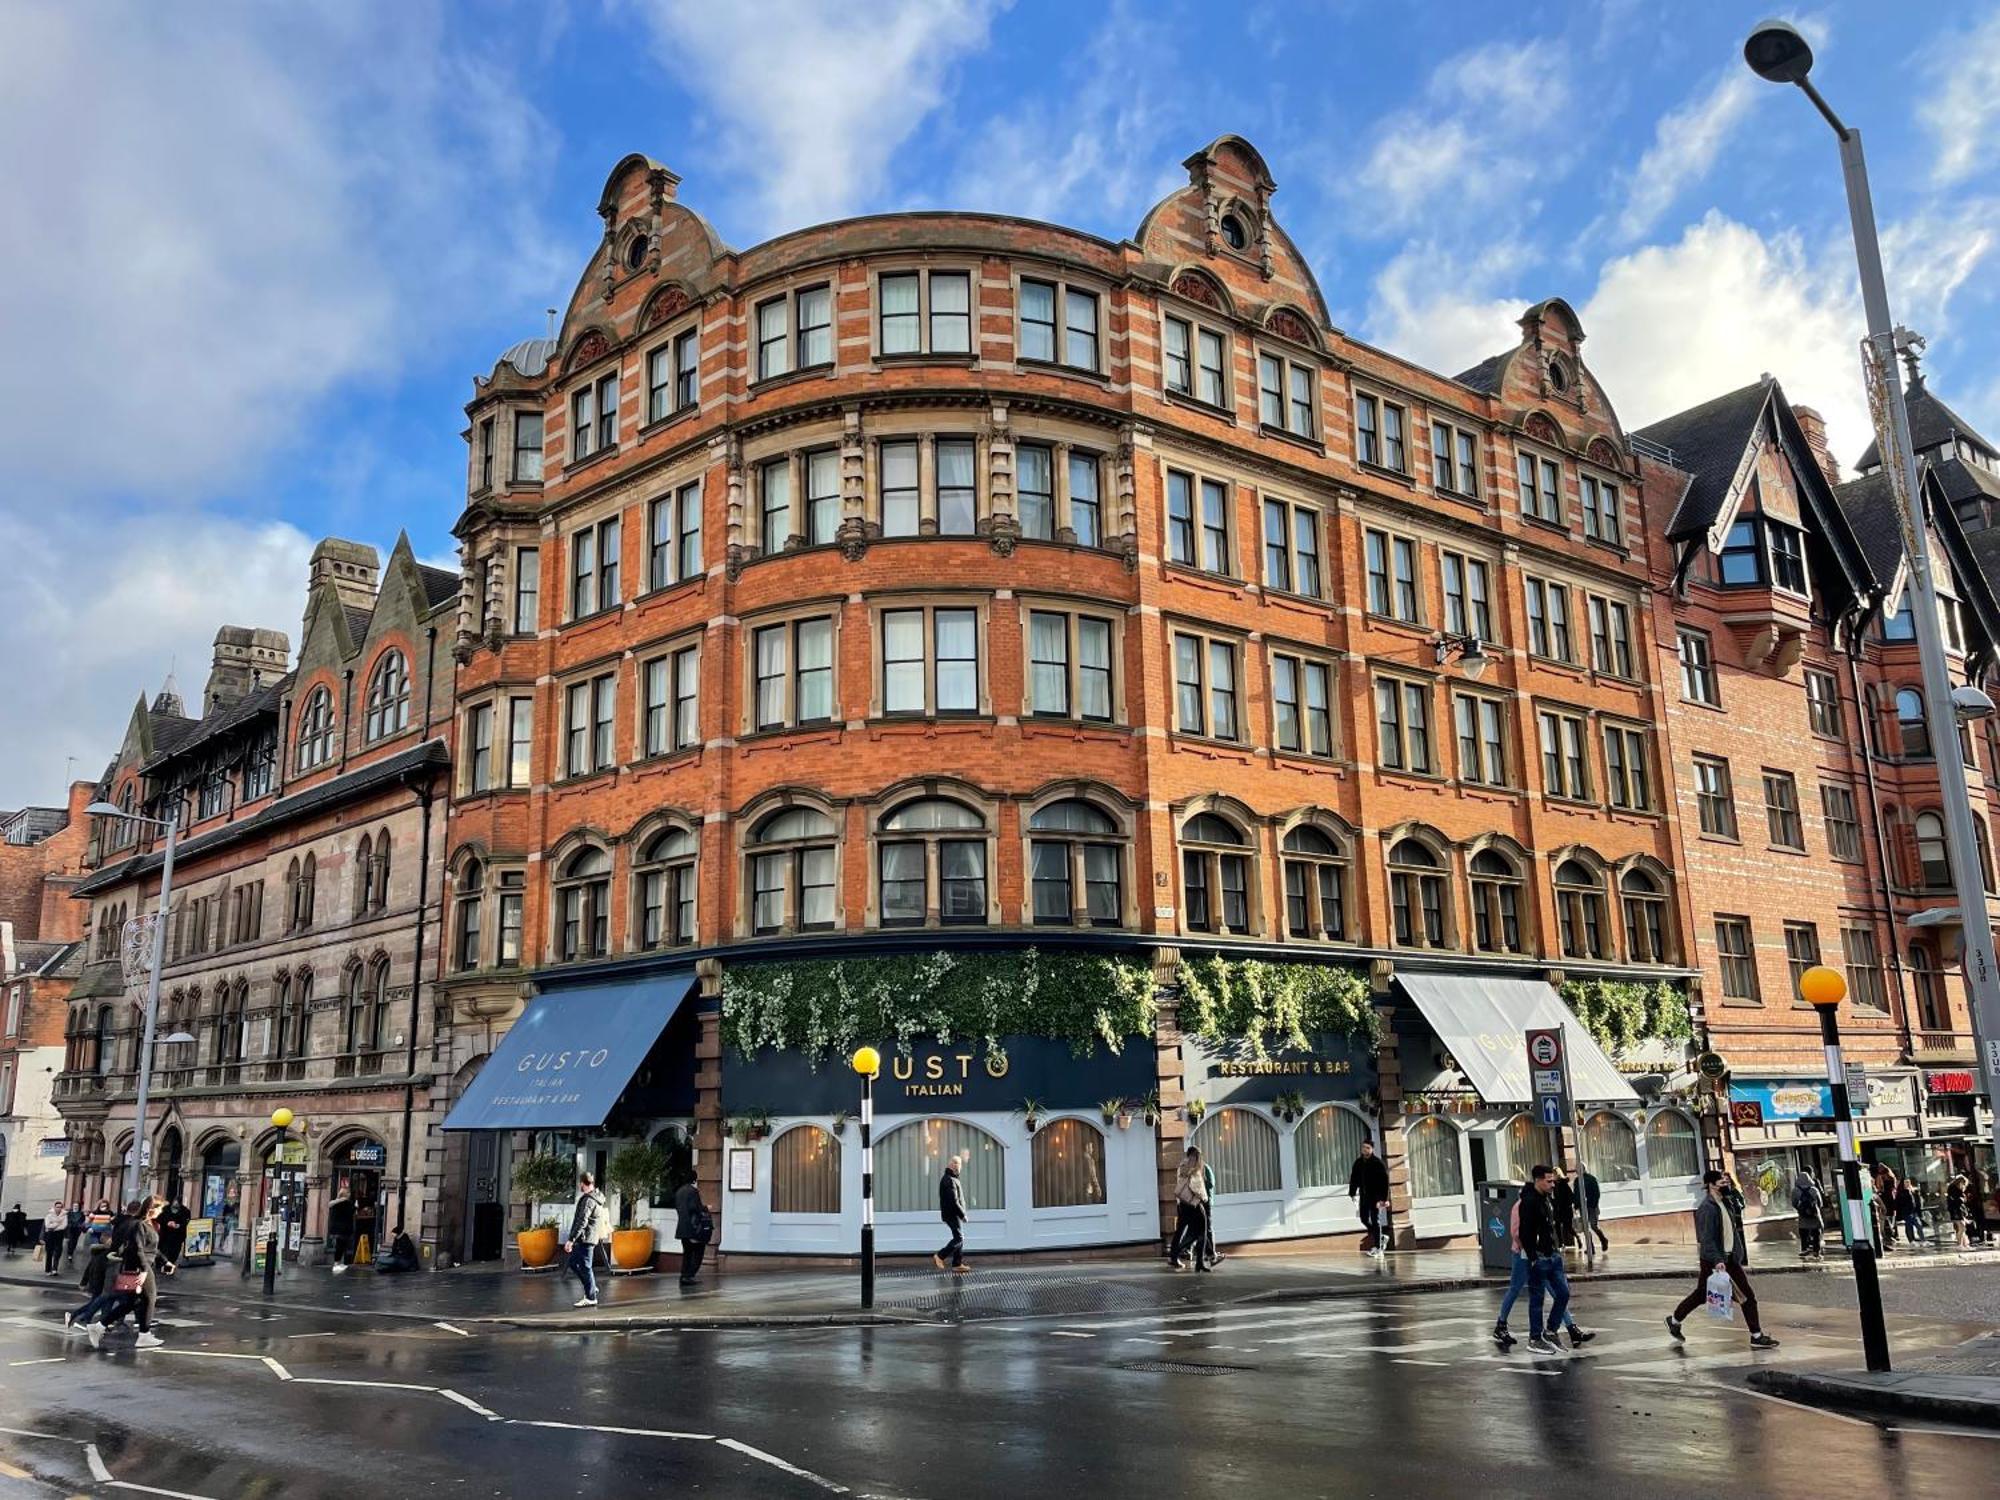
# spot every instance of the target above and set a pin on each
(1970, 702)
(1474, 660)
(282, 1117)
(1822, 986)
(105, 810)
(867, 1061)
(1777, 53)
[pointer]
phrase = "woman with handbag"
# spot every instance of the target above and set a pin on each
(139, 1267)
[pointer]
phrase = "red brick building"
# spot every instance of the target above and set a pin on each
(953, 583)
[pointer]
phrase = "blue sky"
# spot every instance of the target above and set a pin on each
(255, 253)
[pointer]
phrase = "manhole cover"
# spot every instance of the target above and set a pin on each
(1181, 1367)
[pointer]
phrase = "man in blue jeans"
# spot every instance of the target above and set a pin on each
(1539, 1244)
(586, 1228)
(1518, 1280)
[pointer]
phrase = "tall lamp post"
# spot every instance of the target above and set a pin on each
(868, 1063)
(1823, 989)
(1777, 53)
(172, 826)
(275, 1246)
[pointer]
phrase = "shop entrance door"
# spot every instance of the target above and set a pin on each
(489, 1214)
(357, 1176)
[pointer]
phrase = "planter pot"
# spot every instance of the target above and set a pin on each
(632, 1249)
(1032, 1123)
(1125, 1122)
(538, 1247)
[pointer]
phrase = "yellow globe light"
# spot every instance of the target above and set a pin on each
(1820, 985)
(282, 1117)
(867, 1061)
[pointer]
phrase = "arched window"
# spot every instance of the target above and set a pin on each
(583, 905)
(1933, 863)
(302, 994)
(1980, 841)
(364, 875)
(1611, 1148)
(805, 1172)
(1068, 1160)
(1913, 735)
(378, 1005)
(1580, 910)
(470, 892)
(301, 881)
(388, 698)
(379, 872)
(931, 858)
(663, 890)
(1435, 1171)
(1241, 1148)
(315, 739)
(107, 1042)
(1645, 917)
(1215, 875)
(355, 981)
(232, 1022)
(281, 1016)
(1932, 1013)
(1315, 885)
(1671, 1146)
(1496, 902)
(793, 870)
(911, 1159)
(1416, 894)
(1077, 856)
(1527, 1145)
(1326, 1143)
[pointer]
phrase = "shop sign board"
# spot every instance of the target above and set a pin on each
(1746, 1114)
(1784, 1099)
(742, 1169)
(367, 1154)
(1949, 1081)
(291, 1153)
(200, 1241)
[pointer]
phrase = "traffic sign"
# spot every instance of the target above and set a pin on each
(1545, 1048)
(1552, 1109)
(1549, 1081)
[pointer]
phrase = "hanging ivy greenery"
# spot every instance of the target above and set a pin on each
(1621, 1012)
(826, 1007)
(1266, 1004)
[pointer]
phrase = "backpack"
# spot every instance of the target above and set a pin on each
(701, 1224)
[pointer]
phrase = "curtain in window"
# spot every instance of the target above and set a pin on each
(1326, 1143)
(1611, 1149)
(1242, 1148)
(805, 1172)
(1528, 1146)
(911, 1159)
(1434, 1165)
(1671, 1150)
(1069, 1164)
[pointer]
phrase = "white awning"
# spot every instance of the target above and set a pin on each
(1482, 1022)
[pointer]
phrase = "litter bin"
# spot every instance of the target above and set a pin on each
(1496, 1209)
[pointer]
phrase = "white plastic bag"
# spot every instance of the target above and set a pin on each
(1721, 1296)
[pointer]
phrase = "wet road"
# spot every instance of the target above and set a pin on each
(1393, 1396)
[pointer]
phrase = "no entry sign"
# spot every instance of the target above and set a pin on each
(1545, 1049)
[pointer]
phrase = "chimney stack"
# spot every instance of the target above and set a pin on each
(245, 659)
(354, 569)
(1814, 426)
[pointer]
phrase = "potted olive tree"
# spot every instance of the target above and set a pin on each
(636, 1171)
(541, 1180)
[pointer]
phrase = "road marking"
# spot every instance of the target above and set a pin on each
(1972, 1432)
(277, 1369)
(312, 1335)
(1064, 1333)
(53, 1359)
(1133, 1338)
(1529, 1370)
(149, 1489)
(469, 1404)
(778, 1463)
(1439, 1363)
(452, 1328)
(13, 1473)
(373, 1385)
(1215, 1314)
(692, 1437)
(97, 1470)
(1233, 1327)
(1817, 1411)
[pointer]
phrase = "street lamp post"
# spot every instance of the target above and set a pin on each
(868, 1063)
(172, 826)
(1776, 52)
(275, 1246)
(1823, 989)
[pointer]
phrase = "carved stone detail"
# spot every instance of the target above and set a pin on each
(593, 345)
(853, 539)
(1197, 288)
(670, 302)
(1287, 324)
(1004, 535)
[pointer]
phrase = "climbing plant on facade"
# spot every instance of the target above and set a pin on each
(1269, 1004)
(1619, 1013)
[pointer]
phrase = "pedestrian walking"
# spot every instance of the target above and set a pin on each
(136, 1282)
(72, 1232)
(586, 1228)
(1517, 1278)
(174, 1221)
(1537, 1228)
(98, 1224)
(1910, 1212)
(1975, 1201)
(96, 1280)
(14, 1231)
(951, 1208)
(1955, 1207)
(694, 1227)
(55, 1224)
(1589, 1194)
(1809, 1203)
(1208, 1216)
(1190, 1212)
(340, 1230)
(1562, 1202)
(1721, 1245)
(1368, 1188)
(1885, 1205)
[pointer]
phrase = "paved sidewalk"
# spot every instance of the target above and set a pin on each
(746, 1296)
(1962, 1386)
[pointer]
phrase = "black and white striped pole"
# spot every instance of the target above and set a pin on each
(1824, 989)
(868, 1063)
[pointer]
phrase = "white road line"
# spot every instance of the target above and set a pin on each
(778, 1463)
(1320, 1319)
(48, 1437)
(452, 1328)
(277, 1369)
(469, 1404)
(1693, 1362)
(1817, 1411)
(312, 1335)
(53, 1359)
(206, 1354)
(150, 1489)
(1133, 1338)
(1422, 1346)
(1215, 1314)
(96, 1461)
(692, 1437)
(1064, 1333)
(1528, 1370)
(1439, 1363)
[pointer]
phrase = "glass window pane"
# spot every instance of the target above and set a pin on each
(911, 1158)
(899, 314)
(957, 660)
(1068, 1159)
(902, 882)
(957, 494)
(1610, 1149)
(1327, 1142)
(1434, 1164)
(1242, 1148)
(1671, 1148)
(805, 1172)
(1035, 484)
(903, 661)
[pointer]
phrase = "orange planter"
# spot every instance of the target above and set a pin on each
(631, 1249)
(538, 1247)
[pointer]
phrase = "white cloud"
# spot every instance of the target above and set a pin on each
(1685, 144)
(813, 100)
(1430, 306)
(1962, 106)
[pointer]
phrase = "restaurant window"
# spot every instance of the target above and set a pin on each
(1326, 1143)
(1823, 710)
(1913, 735)
(1075, 850)
(1215, 875)
(673, 537)
(593, 412)
(924, 312)
(1068, 1161)
(583, 905)
(1241, 1146)
(1394, 589)
(673, 375)
(1497, 890)
(663, 884)
(527, 447)
(1379, 433)
(1538, 481)
(1403, 725)
(931, 858)
(1565, 755)
(1610, 1147)
(1417, 894)
(1714, 798)
(1315, 871)
(1454, 460)
(805, 1172)
(1864, 968)
(1610, 637)
(315, 740)
(1291, 548)
(1602, 520)
(1058, 323)
(1468, 608)
(793, 872)
(1672, 1147)
(1697, 668)
(930, 661)
(1526, 1145)
(1435, 1170)
(1548, 620)
(911, 1158)
(1645, 917)
(1205, 687)
(1287, 395)
(1580, 910)
(792, 674)
(1301, 705)
(1801, 953)
(1933, 862)
(1069, 666)
(1738, 956)
(388, 698)
(1480, 724)
(1781, 810)
(593, 569)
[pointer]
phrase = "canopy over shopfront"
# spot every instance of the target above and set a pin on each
(564, 1064)
(1482, 1022)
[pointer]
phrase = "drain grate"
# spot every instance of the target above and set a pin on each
(1182, 1367)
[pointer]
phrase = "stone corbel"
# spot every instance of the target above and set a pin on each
(1760, 646)
(1790, 649)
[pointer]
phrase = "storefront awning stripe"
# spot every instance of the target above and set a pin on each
(565, 1062)
(1482, 1022)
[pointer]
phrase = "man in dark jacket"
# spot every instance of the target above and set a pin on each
(340, 1231)
(1539, 1243)
(587, 1226)
(75, 1230)
(174, 1223)
(1720, 1241)
(692, 1227)
(1589, 1194)
(951, 1208)
(1368, 1188)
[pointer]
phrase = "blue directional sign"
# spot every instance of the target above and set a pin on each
(1552, 1109)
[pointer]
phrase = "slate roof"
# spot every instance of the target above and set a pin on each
(357, 621)
(1870, 509)
(1707, 442)
(1964, 481)
(1931, 423)
(1485, 376)
(169, 730)
(1985, 547)
(42, 960)
(440, 584)
(430, 754)
(230, 716)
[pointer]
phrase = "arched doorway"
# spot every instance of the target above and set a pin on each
(169, 1159)
(357, 1177)
(221, 1191)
